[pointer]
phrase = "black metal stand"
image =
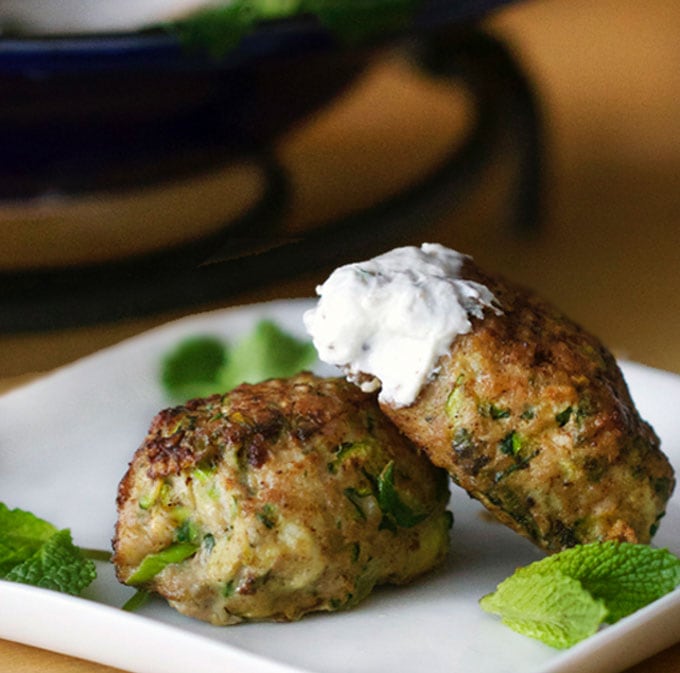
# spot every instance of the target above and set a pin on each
(253, 252)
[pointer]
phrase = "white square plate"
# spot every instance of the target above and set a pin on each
(65, 442)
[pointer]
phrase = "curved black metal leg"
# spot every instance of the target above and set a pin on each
(507, 107)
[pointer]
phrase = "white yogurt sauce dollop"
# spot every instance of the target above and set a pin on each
(392, 317)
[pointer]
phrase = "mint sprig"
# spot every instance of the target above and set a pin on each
(21, 535)
(202, 365)
(33, 551)
(192, 368)
(57, 565)
(564, 598)
(267, 352)
(216, 30)
(359, 20)
(625, 576)
(219, 29)
(554, 608)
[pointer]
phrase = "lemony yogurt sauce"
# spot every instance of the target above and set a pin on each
(388, 320)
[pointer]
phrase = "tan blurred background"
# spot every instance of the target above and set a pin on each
(608, 78)
(608, 74)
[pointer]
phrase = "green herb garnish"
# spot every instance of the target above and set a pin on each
(193, 368)
(33, 551)
(391, 504)
(202, 365)
(498, 413)
(219, 29)
(216, 30)
(267, 352)
(267, 516)
(563, 417)
(564, 598)
(511, 444)
(358, 20)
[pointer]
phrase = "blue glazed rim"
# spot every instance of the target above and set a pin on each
(157, 49)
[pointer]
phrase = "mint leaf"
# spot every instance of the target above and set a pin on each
(193, 368)
(202, 365)
(21, 535)
(548, 599)
(216, 30)
(553, 608)
(33, 551)
(625, 576)
(58, 565)
(358, 20)
(267, 352)
(219, 29)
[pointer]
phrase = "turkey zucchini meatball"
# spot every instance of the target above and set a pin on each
(527, 412)
(532, 416)
(275, 500)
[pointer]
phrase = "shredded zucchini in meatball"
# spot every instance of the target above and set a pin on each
(275, 500)
(531, 415)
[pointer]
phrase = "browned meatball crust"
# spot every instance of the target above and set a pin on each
(532, 416)
(277, 499)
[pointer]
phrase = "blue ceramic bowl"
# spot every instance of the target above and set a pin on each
(92, 112)
(291, 37)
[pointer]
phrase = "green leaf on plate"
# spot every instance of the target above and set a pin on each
(216, 30)
(565, 597)
(625, 576)
(22, 534)
(554, 608)
(267, 352)
(358, 20)
(202, 365)
(58, 564)
(192, 369)
(219, 29)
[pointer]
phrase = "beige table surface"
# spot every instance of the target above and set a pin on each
(608, 251)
